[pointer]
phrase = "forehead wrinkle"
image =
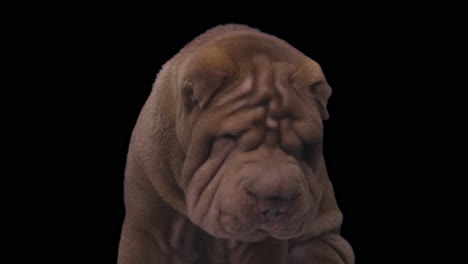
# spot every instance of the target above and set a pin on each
(239, 91)
(283, 74)
(263, 80)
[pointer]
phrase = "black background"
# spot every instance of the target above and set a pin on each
(81, 75)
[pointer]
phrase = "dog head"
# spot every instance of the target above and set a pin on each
(248, 112)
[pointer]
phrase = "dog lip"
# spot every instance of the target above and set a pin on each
(251, 230)
(282, 232)
(221, 226)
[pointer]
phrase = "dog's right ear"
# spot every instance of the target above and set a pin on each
(205, 74)
(199, 88)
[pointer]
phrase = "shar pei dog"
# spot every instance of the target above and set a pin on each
(225, 162)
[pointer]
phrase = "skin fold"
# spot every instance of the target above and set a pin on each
(225, 162)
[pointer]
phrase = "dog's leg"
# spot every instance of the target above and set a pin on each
(142, 240)
(153, 232)
(325, 249)
(271, 251)
(139, 245)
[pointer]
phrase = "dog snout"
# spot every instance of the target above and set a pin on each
(273, 196)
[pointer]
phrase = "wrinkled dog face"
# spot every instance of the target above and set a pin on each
(250, 119)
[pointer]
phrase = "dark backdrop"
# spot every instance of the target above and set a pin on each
(85, 74)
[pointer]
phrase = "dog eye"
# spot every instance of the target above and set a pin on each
(233, 135)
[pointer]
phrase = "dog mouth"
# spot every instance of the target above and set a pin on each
(259, 227)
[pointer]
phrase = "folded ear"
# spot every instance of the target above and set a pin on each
(321, 92)
(201, 86)
(310, 76)
(204, 75)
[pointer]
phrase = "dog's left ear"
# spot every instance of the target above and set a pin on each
(310, 76)
(321, 91)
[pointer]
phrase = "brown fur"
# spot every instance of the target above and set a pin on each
(182, 130)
